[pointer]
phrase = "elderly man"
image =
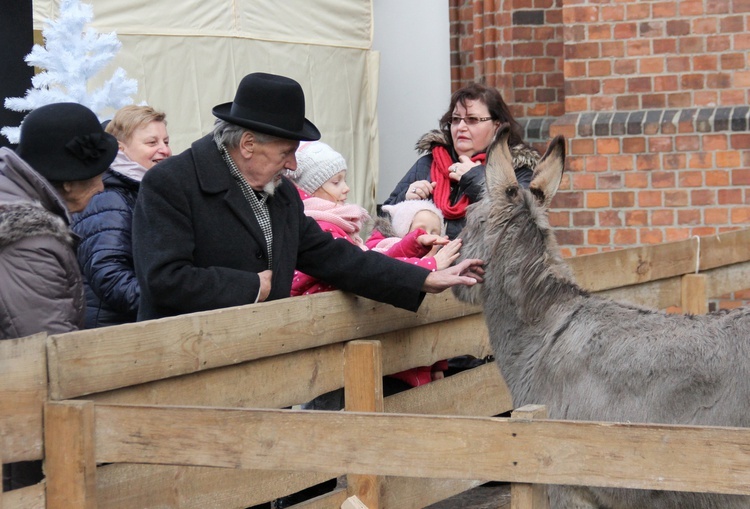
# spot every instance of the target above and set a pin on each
(218, 225)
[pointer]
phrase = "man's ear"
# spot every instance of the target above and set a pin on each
(247, 145)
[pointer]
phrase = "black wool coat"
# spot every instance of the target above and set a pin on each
(198, 246)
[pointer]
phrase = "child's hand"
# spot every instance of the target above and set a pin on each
(447, 254)
(429, 240)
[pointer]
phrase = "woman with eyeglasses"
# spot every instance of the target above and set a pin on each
(451, 173)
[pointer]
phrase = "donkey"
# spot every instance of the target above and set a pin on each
(587, 357)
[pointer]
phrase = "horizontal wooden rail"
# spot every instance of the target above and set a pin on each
(640, 456)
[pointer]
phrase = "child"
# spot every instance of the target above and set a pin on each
(321, 180)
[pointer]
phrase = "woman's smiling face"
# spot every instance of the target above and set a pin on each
(148, 144)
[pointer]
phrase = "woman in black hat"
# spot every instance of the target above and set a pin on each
(55, 170)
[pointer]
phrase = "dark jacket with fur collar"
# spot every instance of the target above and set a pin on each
(471, 184)
(40, 283)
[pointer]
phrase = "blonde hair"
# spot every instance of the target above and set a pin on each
(129, 118)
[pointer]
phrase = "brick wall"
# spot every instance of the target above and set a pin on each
(652, 96)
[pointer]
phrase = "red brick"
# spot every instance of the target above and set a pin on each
(599, 103)
(582, 146)
(584, 218)
(733, 61)
(727, 159)
(626, 236)
(626, 66)
(662, 217)
(614, 49)
(584, 181)
(607, 146)
(611, 181)
(676, 198)
(691, 179)
(596, 164)
(559, 218)
(609, 218)
(691, 45)
(600, 68)
(651, 236)
(702, 197)
(662, 179)
(732, 24)
(647, 162)
(714, 142)
(636, 180)
(636, 217)
(582, 51)
(741, 215)
(703, 231)
(675, 161)
(598, 237)
(613, 86)
(677, 28)
(740, 141)
(716, 216)
(664, 9)
(706, 98)
(665, 83)
(692, 81)
(679, 100)
(718, 43)
(705, 63)
(730, 197)
(639, 85)
(613, 12)
(568, 200)
(689, 217)
(733, 97)
(638, 47)
(569, 237)
(654, 65)
(719, 80)
(660, 144)
(621, 163)
(687, 143)
(665, 46)
(597, 200)
(625, 31)
(700, 160)
(650, 199)
(628, 102)
(678, 64)
(633, 145)
(637, 11)
(586, 250)
(704, 26)
(740, 177)
(717, 178)
(674, 234)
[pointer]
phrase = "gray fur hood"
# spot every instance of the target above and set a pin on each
(523, 155)
(22, 220)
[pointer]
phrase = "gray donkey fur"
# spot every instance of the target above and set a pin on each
(587, 357)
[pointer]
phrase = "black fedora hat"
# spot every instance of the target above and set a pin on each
(65, 142)
(269, 104)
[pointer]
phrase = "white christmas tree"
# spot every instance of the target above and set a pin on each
(72, 54)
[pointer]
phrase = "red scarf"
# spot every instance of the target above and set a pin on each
(439, 173)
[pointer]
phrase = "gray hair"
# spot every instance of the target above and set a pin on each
(229, 134)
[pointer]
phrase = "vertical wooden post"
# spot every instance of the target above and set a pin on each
(363, 390)
(69, 459)
(693, 298)
(522, 495)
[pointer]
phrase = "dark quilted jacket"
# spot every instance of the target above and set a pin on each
(105, 253)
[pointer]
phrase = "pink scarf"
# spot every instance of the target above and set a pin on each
(348, 217)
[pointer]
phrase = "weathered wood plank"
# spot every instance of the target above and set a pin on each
(480, 391)
(424, 345)
(614, 269)
(69, 454)
(660, 294)
(724, 249)
(363, 378)
(693, 298)
(264, 383)
(645, 456)
(23, 391)
(108, 358)
(527, 495)
(31, 497)
(181, 487)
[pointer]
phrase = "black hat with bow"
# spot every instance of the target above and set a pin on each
(65, 142)
(269, 104)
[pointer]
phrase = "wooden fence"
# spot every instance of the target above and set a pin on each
(188, 412)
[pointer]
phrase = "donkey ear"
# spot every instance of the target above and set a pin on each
(548, 172)
(499, 169)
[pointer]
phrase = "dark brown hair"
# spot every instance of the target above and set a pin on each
(491, 97)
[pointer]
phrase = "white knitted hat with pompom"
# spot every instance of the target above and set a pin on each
(402, 214)
(316, 163)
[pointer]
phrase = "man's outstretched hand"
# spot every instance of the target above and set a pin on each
(469, 272)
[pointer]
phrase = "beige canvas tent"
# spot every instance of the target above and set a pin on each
(190, 55)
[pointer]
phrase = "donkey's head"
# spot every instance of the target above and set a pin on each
(502, 226)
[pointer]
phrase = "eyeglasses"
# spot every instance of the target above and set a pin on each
(455, 120)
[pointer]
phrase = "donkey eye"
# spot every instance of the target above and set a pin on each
(511, 191)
